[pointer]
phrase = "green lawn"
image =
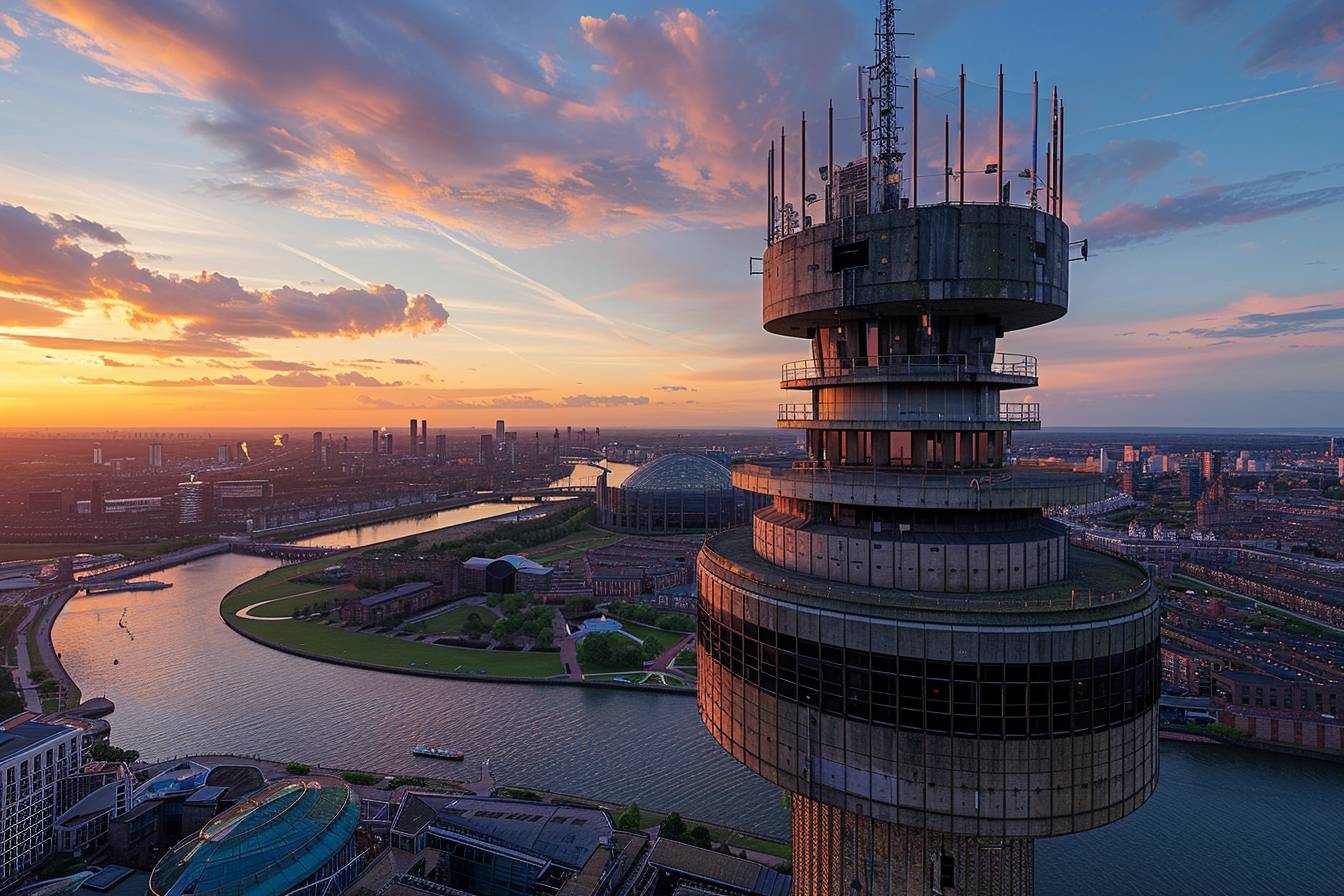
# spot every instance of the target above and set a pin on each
(333, 596)
(757, 844)
(319, 638)
(647, 633)
(574, 545)
(450, 621)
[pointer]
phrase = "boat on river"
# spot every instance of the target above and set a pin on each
(438, 753)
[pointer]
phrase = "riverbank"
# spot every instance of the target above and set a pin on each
(322, 639)
(760, 847)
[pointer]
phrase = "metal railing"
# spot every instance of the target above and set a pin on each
(1009, 412)
(910, 365)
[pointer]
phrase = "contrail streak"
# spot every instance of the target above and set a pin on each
(328, 265)
(367, 285)
(1211, 106)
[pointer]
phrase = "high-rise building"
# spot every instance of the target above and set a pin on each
(1341, 468)
(374, 449)
(222, 455)
(900, 640)
(423, 447)
(96, 504)
(97, 455)
(440, 447)
(387, 443)
(193, 501)
(36, 758)
(487, 456)
(1103, 462)
(1131, 454)
(317, 449)
(414, 440)
(499, 432)
(155, 456)
(1210, 466)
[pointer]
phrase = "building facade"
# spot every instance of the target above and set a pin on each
(35, 758)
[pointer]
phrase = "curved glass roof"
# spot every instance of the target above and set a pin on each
(680, 472)
(264, 846)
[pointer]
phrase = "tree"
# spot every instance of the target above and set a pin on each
(473, 626)
(700, 836)
(544, 640)
(105, 752)
(503, 629)
(630, 819)
(673, 828)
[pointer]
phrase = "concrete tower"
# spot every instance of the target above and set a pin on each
(902, 640)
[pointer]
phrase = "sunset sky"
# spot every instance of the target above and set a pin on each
(252, 213)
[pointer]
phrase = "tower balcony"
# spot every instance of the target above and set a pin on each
(1017, 415)
(1001, 489)
(1009, 371)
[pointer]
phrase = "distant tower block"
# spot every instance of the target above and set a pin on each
(902, 640)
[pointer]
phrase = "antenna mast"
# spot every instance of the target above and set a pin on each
(887, 131)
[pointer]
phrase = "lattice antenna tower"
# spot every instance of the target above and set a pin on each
(887, 129)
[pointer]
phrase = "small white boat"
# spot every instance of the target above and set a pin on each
(438, 753)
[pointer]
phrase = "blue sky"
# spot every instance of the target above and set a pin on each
(548, 207)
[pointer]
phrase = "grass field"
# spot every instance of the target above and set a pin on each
(337, 643)
(647, 633)
(450, 621)
(573, 545)
(311, 595)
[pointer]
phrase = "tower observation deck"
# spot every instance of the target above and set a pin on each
(902, 640)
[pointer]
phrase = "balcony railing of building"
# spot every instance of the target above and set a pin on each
(1008, 412)
(950, 366)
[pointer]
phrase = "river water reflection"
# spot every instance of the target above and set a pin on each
(1222, 821)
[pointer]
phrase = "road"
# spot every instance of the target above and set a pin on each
(569, 652)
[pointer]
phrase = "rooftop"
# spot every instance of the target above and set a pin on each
(265, 845)
(27, 735)
(567, 835)
(717, 868)
(405, 590)
(680, 472)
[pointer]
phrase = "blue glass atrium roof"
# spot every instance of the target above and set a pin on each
(263, 846)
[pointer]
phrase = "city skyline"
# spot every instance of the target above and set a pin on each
(422, 212)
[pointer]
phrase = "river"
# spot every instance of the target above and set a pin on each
(1223, 820)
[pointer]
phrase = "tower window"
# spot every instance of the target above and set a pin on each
(849, 255)
(947, 873)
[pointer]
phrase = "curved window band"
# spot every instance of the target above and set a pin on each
(913, 694)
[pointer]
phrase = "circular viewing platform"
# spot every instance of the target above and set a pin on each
(877, 416)
(1004, 370)
(1002, 489)
(1005, 262)
(1103, 584)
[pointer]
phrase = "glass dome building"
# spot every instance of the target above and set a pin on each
(674, 493)
(295, 836)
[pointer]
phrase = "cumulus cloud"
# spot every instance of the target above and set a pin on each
(310, 379)
(380, 108)
(1217, 204)
(40, 258)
